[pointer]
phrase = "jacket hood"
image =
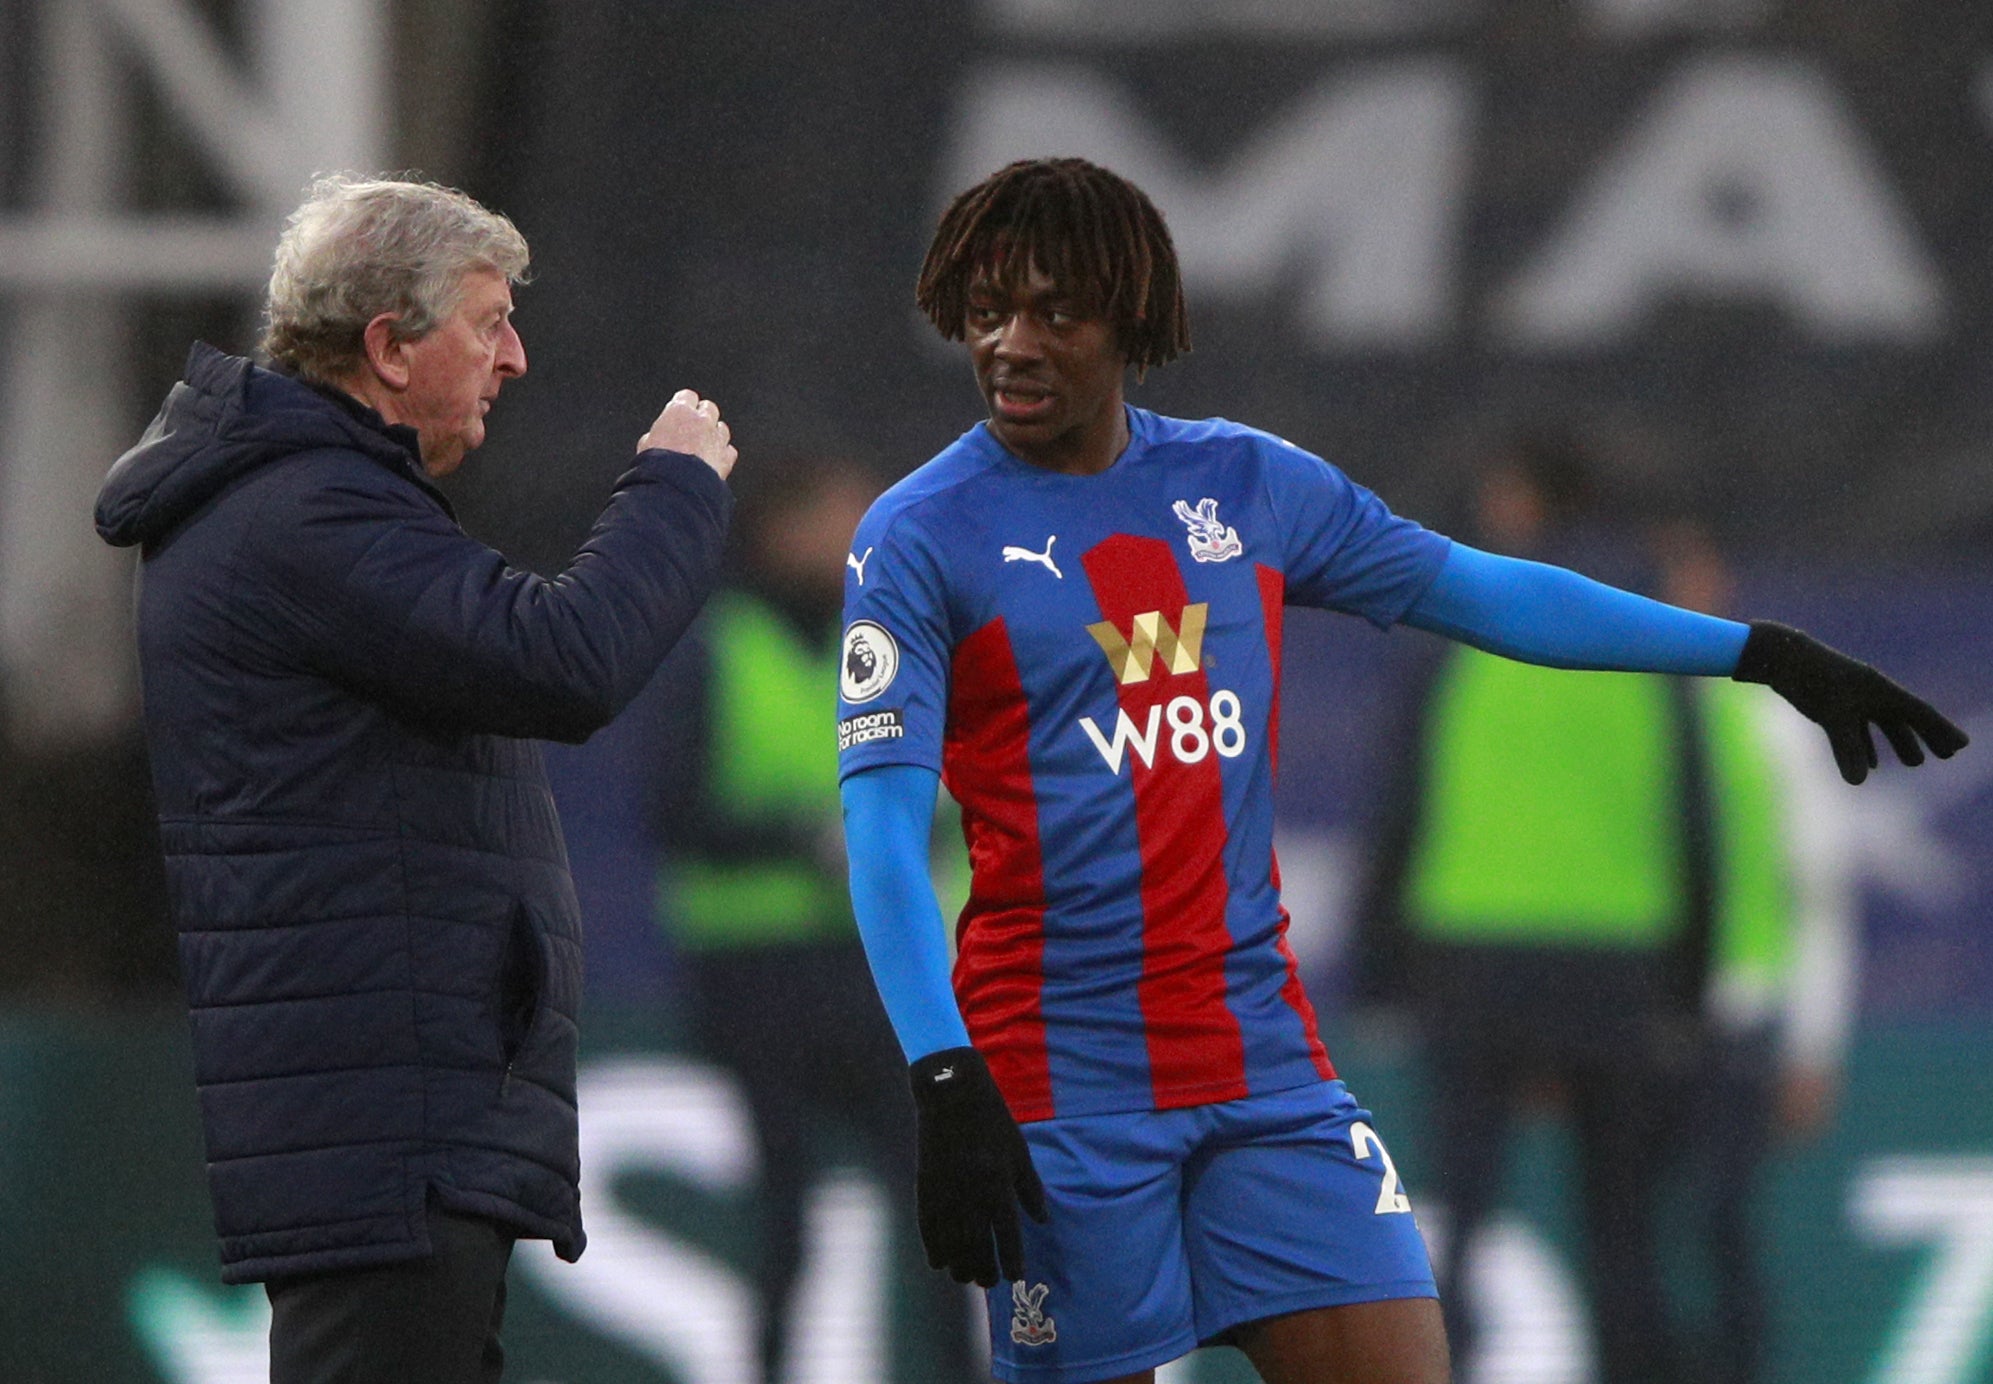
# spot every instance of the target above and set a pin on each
(226, 418)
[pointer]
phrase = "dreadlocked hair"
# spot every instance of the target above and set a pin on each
(1094, 232)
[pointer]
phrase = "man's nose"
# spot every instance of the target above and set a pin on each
(511, 360)
(1019, 339)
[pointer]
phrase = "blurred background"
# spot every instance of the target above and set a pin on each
(1737, 254)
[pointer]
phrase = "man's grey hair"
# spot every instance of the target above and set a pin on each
(360, 247)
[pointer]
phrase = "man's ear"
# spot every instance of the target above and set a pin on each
(387, 354)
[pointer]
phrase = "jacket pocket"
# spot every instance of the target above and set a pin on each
(522, 978)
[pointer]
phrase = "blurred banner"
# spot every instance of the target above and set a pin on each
(1747, 238)
(145, 152)
(1879, 1240)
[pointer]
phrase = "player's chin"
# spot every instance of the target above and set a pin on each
(1031, 430)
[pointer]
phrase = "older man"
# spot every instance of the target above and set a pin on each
(378, 932)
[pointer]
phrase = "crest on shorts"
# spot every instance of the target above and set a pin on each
(1211, 540)
(1029, 1325)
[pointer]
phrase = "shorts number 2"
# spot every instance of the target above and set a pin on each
(1363, 1141)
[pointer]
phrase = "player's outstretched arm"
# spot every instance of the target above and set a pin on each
(1542, 614)
(974, 1168)
(1536, 613)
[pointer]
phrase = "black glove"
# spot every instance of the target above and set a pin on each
(974, 1170)
(1844, 696)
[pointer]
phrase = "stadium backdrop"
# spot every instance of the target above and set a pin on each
(1749, 240)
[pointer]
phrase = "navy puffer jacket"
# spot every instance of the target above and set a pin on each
(379, 936)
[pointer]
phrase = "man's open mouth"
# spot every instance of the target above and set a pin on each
(1020, 400)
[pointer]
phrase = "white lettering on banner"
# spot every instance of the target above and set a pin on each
(673, 1303)
(1744, 180)
(1941, 1334)
(306, 91)
(305, 88)
(1374, 236)
(1629, 19)
(1190, 740)
(1529, 1300)
(1124, 23)
(839, 1319)
(197, 1333)
(1127, 22)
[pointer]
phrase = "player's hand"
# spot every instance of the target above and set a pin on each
(692, 425)
(1845, 696)
(974, 1170)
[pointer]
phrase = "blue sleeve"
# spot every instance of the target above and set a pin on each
(1343, 548)
(888, 816)
(892, 694)
(1536, 613)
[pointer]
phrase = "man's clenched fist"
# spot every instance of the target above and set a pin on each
(692, 425)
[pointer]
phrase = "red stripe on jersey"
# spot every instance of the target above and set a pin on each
(1272, 610)
(1000, 940)
(1296, 997)
(1196, 1051)
(1273, 603)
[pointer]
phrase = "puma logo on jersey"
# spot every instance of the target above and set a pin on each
(1151, 641)
(857, 564)
(1013, 553)
(1211, 540)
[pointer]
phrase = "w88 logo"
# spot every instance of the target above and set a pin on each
(1189, 729)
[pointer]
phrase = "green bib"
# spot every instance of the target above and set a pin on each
(1754, 898)
(1553, 815)
(1552, 809)
(771, 700)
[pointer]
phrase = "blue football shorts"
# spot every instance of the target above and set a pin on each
(1170, 1228)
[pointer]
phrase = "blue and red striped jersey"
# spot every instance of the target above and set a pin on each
(1092, 664)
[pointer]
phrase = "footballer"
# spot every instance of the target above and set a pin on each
(1073, 616)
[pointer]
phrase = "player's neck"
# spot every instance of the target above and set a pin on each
(1082, 451)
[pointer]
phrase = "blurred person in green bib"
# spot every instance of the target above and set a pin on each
(1778, 1001)
(753, 892)
(1541, 902)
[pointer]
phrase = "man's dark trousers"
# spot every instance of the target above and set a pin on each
(424, 1321)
